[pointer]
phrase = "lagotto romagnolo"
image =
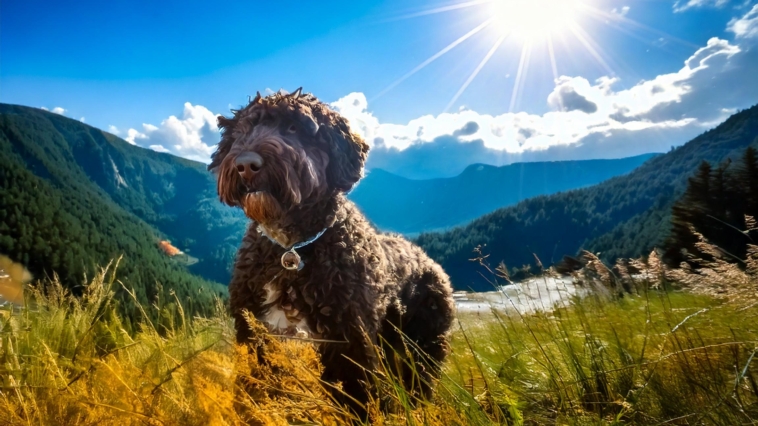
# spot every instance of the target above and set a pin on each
(310, 263)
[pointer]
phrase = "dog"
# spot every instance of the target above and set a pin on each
(310, 263)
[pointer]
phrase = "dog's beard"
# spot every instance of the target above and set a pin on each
(261, 207)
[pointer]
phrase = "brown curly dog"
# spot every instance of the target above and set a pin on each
(310, 263)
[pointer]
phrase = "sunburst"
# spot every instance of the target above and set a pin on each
(528, 23)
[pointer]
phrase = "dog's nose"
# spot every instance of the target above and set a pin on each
(248, 163)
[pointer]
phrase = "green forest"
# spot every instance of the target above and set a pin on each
(73, 198)
(720, 204)
(625, 216)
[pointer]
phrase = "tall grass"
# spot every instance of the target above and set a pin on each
(655, 355)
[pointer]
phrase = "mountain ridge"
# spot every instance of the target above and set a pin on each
(625, 216)
(176, 197)
(410, 206)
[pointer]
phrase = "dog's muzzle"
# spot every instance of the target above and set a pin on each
(248, 164)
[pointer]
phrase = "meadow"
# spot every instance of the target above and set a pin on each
(656, 346)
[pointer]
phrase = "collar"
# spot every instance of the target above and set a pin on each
(291, 259)
(295, 246)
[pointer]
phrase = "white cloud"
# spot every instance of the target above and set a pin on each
(747, 26)
(82, 120)
(193, 136)
(591, 118)
(588, 119)
(132, 135)
(682, 5)
(113, 130)
(622, 12)
(159, 148)
(57, 110)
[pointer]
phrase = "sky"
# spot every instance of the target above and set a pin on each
(433, 85)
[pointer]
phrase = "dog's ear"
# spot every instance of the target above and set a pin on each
(226, 126)
(347, 153)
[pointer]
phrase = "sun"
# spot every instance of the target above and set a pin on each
(527, 25)
(532, 20)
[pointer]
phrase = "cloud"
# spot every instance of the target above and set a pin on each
(747, 26)
(355, 107)
(589, 119)
(622, 12)
(565, 98)
(681, 5)
(159, 148)
(113, 130)
(468, 129)
(57, 110)
(445, 156)
(132, 135)
(193, 136)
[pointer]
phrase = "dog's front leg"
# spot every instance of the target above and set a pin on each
(350, 358)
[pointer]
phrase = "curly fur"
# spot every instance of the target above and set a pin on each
(358, 286)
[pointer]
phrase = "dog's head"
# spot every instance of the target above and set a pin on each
(283, 151)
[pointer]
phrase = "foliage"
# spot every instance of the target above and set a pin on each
(651, 356)
(115, 187)
(717, 205)
(55, 221)
(623, 217)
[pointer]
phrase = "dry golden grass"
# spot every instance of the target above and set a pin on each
(644, 356)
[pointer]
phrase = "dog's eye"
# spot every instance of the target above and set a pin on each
(292, 128)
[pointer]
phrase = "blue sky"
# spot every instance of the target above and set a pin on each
(619, 73)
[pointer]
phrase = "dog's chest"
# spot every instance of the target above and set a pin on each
(281, 313)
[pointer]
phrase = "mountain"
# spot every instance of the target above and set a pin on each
(625, 216)
(409, 206)
(73, 196)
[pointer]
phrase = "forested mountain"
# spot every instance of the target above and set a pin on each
(409, 206)
(623, 217)
(72, 197)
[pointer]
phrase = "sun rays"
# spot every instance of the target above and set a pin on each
(436, 56)
(476, 71)
(523, 25)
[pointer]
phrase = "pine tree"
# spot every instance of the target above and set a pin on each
(747, 178)
(690, 211)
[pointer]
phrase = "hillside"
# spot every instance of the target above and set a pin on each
(72, 197)
(623, 217)
(409, 206)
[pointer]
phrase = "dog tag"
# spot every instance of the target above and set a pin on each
(291, 261)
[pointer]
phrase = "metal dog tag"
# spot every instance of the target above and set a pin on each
(291, 261)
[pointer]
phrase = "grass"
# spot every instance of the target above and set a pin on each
(652, 356)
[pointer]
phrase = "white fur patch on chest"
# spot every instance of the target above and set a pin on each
(282, 321)
(272, 234)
